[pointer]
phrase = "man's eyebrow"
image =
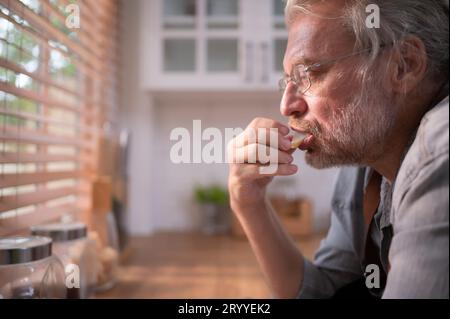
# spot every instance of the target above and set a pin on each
(301, 59)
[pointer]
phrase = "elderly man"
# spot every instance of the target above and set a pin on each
(374, 101)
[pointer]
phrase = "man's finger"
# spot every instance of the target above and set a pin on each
(256, 171)
(267, 136)
(260, 154)
(269, 123)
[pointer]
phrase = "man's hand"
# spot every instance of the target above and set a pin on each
(246, 183)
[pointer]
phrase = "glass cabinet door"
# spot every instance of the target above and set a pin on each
(278, 41)
(278, 14)
(222, 55)
(222, 41)
(178, 41)
(219, 43)
(270, 42)
(279, 47)
(222, 14)
(179, 55)
(201, 39)
(179, 14)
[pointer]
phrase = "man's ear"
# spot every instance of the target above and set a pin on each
(408, 65)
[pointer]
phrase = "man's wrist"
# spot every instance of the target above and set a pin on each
(249, 209)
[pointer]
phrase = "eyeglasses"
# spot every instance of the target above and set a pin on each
(300, 72)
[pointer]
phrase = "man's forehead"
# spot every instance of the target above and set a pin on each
(313, 39)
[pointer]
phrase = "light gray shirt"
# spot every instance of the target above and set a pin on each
(410, 229)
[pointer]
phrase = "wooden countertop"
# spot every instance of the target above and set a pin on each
(191, 266)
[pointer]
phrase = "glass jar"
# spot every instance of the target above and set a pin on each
(77, 253)
(107, 247)
(28, 270)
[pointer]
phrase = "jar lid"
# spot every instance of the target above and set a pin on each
(61, 231)
(19, 250)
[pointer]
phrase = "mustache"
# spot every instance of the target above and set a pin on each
(306, 126)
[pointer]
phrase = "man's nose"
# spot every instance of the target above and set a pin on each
(292, 102)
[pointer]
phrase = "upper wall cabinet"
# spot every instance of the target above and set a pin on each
(212, 44)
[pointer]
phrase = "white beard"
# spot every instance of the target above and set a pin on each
(357, 134)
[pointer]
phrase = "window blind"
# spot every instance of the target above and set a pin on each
(58, 89)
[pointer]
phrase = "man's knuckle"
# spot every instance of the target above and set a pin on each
(254, 122)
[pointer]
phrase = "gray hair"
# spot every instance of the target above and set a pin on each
(428, 20)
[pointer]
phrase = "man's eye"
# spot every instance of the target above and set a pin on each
(303, 76)
(316, 73)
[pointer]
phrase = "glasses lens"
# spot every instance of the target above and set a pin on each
(302, 79)
(282, 84)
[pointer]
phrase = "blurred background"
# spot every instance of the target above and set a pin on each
(89, 94)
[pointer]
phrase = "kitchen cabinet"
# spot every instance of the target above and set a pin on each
(214, 45)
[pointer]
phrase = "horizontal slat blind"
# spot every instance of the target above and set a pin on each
(58, 88)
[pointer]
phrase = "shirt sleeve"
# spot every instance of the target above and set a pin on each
(336, 263)
(419, 252)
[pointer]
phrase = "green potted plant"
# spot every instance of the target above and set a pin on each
(214, 208)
